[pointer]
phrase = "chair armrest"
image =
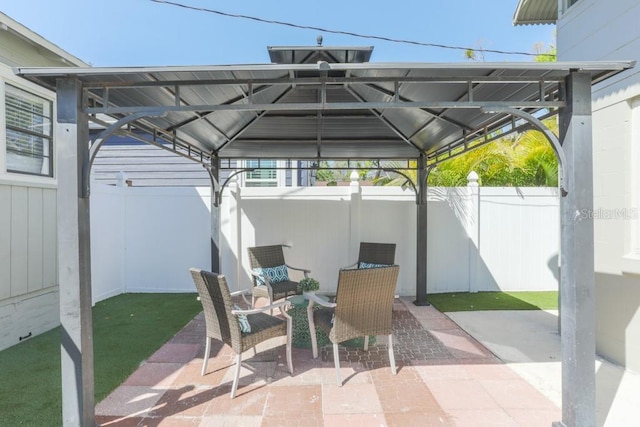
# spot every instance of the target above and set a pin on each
(313, 298)
(264, 278)
(240, 292)
(279, 304)
(261, 275)
(299, 269)
(350, 266)
(243, 293)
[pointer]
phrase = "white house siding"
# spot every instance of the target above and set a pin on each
(145, 165)
(28, 241)
(28, 262)
(608, 30)
(29, 299)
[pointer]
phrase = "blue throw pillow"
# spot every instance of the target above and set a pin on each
(245, 326)
(371, 265)
(275, 274)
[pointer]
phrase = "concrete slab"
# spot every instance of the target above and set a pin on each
(529, 343)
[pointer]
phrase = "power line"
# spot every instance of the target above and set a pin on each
(347, 33)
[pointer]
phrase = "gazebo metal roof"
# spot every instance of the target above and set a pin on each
(323, 110)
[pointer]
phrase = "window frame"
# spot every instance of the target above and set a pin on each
(567, 4)
(48, 138)
(279, 170)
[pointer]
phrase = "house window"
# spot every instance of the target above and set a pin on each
(262, 176)
(29, 132)
(569, 3)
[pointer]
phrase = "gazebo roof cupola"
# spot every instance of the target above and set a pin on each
(315, 54)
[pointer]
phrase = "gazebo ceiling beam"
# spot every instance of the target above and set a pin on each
(332, 106)
(329, 80)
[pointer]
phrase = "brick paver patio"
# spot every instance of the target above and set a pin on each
(445, 378)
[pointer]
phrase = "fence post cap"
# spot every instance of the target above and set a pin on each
(472, 178)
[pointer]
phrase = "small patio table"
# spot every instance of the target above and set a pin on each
(301, 337)
(298, 313)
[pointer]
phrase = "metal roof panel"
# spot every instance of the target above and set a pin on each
(360, 110)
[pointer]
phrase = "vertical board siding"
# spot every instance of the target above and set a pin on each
(49, 238)
(35, 239)
(29, 298)
(28, 240)
(5, 242)
(19, 241)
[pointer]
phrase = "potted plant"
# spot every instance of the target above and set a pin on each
(308, 285)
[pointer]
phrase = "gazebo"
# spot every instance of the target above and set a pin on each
(329, 104)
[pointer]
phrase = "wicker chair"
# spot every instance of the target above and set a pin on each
(222, 321)
(363, 307)
(263, 257)
(376, 254)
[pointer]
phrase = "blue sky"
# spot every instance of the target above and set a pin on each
(144, 33)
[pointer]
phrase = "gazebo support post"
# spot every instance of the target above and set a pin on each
(74, 256)
(421, 244)
(216, 201)
(577, 283)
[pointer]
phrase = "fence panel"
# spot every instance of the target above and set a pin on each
(145, 239)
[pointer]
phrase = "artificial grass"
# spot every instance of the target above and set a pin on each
(465, 301)
(127, 329)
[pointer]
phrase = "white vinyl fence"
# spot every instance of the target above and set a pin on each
(480, 239)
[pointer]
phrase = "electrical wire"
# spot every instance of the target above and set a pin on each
(348, 33)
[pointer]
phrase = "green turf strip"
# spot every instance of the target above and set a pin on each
(127, 328)
(465, 301)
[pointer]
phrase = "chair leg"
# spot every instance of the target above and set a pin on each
(289, 339)
(312, 331)
(336, 360)
(392, 359)
(366, 342)
(236, 377)
(207, 350)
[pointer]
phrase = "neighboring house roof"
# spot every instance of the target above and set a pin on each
(19, 46)
(529, 12)
(145, 165)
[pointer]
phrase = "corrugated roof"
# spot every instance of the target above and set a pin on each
(324, 110)
(530, 12)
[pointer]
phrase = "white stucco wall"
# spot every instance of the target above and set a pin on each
(608, 30)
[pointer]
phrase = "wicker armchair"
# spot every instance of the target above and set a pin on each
(270, 257)
(222, 321)
(375, 254)
(363, 307)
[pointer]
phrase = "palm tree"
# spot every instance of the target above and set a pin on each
(526, 160)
